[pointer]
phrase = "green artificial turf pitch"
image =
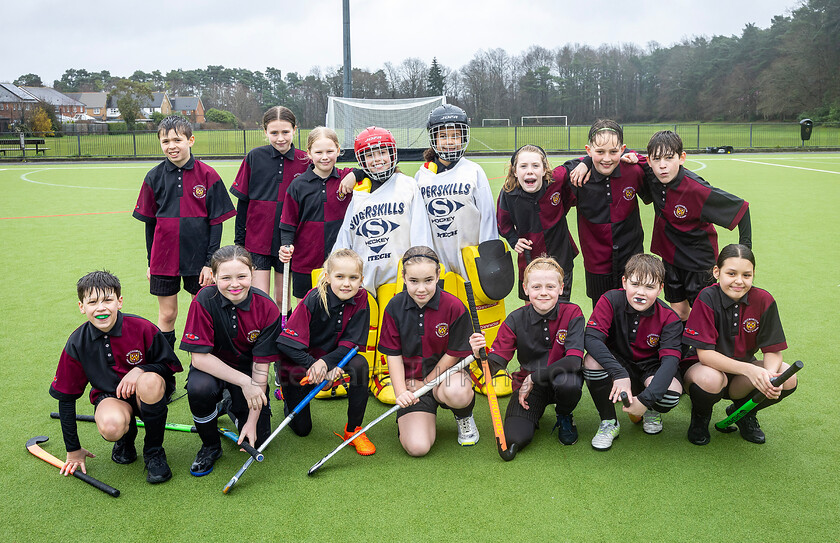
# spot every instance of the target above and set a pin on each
(61, 221)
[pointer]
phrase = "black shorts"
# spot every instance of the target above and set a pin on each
(681, 285)
(425, 404)
(640, 371)
(170, 285)
(599, 284)
(301, 284)
(266, 262)
(132, 401)
(540, 397)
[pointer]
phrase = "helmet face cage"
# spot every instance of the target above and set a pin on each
(366, 152)
(450, 150)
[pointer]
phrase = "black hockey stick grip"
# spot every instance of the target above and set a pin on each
(482, 353)
(624, 399)
(108, 489)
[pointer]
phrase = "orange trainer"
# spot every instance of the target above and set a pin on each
(362, 443)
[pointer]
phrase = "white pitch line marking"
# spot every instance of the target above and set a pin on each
(785, 166)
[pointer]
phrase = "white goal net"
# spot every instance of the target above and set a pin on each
(545, 120)
(405, 118)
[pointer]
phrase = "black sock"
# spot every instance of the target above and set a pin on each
(170, 338)
(702, 402)
(463, 412)
(207, 429)
(767, 403)
(154, 420)
(131, 434)
(599, 384)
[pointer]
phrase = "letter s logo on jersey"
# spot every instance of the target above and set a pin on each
(751, 326)
(441, 207)
(376, 228)
(561, 336)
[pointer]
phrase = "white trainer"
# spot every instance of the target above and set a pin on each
(606, 434)
(467, 431)
(652, 422)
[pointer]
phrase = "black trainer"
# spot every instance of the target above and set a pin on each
(158, 469)
(204, 460)
(124, 451)
(566, 430)
(698, 429)
(748, 426)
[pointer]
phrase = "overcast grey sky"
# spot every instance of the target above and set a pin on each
(124, 36)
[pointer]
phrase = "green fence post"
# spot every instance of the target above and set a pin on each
(569, 137)
(134, 139)
(79, 143)
(515, 146)
(244, 143)
(751, 136)
(698, 137)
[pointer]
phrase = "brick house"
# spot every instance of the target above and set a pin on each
(14, 103)
(63, 104)
(96, 103)
(190, 107)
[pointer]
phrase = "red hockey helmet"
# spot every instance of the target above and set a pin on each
(376, 152)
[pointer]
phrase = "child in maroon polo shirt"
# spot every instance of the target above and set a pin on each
(686, 209)
(633, 343)
(547, 336)
(130, 367)
(425, 331)
(183, 203)
(730, 322)
(260, 187)
(230, 334)
(313, 210)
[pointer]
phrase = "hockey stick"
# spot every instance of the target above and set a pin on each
(417, 393)
(298, 408)
(230, 434)
(725, 425)
(624, 399)
(284, 309)
(33, 447)
(506, 453)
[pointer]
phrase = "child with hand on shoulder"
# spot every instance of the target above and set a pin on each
(331, 320)
(183, 202)
(230, 334)
(260, 185)
(730, 322)
(532, 214)
(609, 223)
(633, 345)
(131, 369)
(424, 332)
(313, 210)
(547, 336)
(686, 209)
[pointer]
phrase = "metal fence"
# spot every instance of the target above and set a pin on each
(237, 143)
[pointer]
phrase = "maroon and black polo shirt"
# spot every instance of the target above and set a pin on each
(238, 335)
(261, 185)
(686, 211)
(538, 340)
(609, 224)
(617, 334)
(312, 332)
(312, 215)
(104, 358)
(735, 329)
(183, 203)
(539, 217)
(422, 335)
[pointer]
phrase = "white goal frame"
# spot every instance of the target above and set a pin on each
(483, 121)
(404, 117)
(564, 117)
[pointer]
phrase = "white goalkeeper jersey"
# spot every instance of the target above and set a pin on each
(460, 207)
(382, 225)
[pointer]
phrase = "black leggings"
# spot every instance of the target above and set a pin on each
(564, 392)
(204, 391)
(357, 396)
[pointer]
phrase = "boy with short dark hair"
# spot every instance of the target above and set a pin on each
(686, 209)
(183, 203)
(633, 342)
(130, 367)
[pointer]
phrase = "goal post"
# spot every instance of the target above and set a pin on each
(495, 122)
(545, 120)
(405, 117)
